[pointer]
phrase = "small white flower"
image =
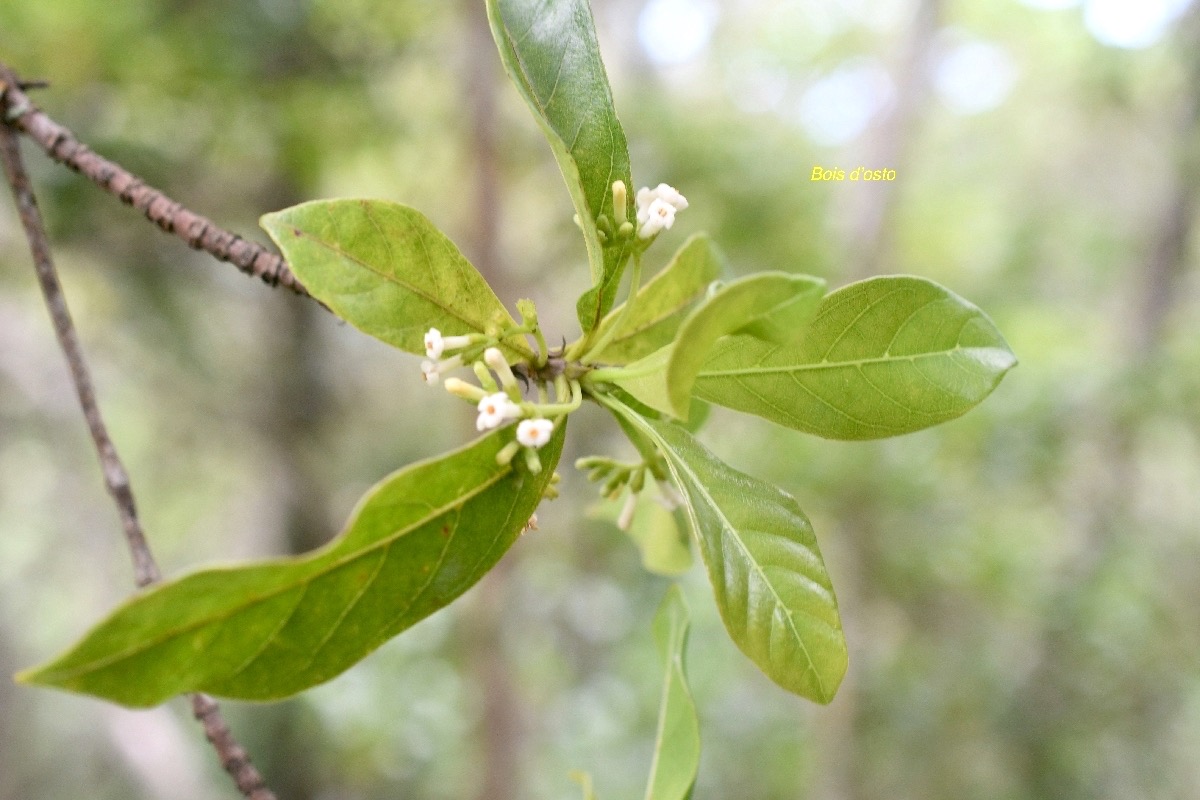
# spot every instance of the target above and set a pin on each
(495, 410)
(436, 344)
(429, 372)
(660, 215)
(534, 432)
(668, 194)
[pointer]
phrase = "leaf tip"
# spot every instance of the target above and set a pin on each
(27, 677)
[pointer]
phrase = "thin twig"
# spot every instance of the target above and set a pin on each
(199, 232)
(232, 756)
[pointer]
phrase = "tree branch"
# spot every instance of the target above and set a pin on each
(232, 756)
(199, 232)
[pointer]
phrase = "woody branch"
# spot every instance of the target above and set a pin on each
(199, 232)
(232, 755)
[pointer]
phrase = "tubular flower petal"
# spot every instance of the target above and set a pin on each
(625, 519)
(436, 344)
(429, 372)
(534, 432)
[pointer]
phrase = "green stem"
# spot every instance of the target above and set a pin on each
(543, 351)
(635, 281)
(557, 409)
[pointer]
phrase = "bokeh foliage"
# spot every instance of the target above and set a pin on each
(1018, 587)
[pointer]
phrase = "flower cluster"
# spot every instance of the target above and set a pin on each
(498, 399)
(619, 476)
(656, 209)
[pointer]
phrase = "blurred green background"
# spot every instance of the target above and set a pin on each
(1020, 588)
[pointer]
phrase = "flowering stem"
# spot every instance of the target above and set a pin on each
(635, 280)
(556, 409)
(543, 350)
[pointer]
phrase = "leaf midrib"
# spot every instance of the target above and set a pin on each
(728, 526)
(387, 541)
(827, 365)
(423, 294)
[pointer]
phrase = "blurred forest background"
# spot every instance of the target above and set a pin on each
(1020, 588)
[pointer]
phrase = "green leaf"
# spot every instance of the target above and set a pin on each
(881, 357)
(677, 744)
(662, 303)
(384, 268)
(776, 304)
(767, 574)
(416, 541)
(551, 54)
(664, 550)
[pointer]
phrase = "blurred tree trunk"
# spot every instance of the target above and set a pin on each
(872, 205)
(295, 403)
(871, 214)
(1168, 259)
(501, 722)
(1102, 488)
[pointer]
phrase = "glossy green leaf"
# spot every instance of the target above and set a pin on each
(550, 52)
(662, 303)
(677, 743)
(384, 268)
(881, 357)
(766, 570)
(416, 541)
(777, 304)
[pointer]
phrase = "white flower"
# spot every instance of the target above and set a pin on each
(656, 209)
(495, 410)
(534, 432)
(431, 371)
(658, 216)
(668, 194)
(436, 344)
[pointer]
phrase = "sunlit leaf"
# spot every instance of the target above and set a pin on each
(775, 304)
(881, 357)
(416, 541)
(677, 743)
(550, 52)
(662, 303)
(384, 268)
(767, 574)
